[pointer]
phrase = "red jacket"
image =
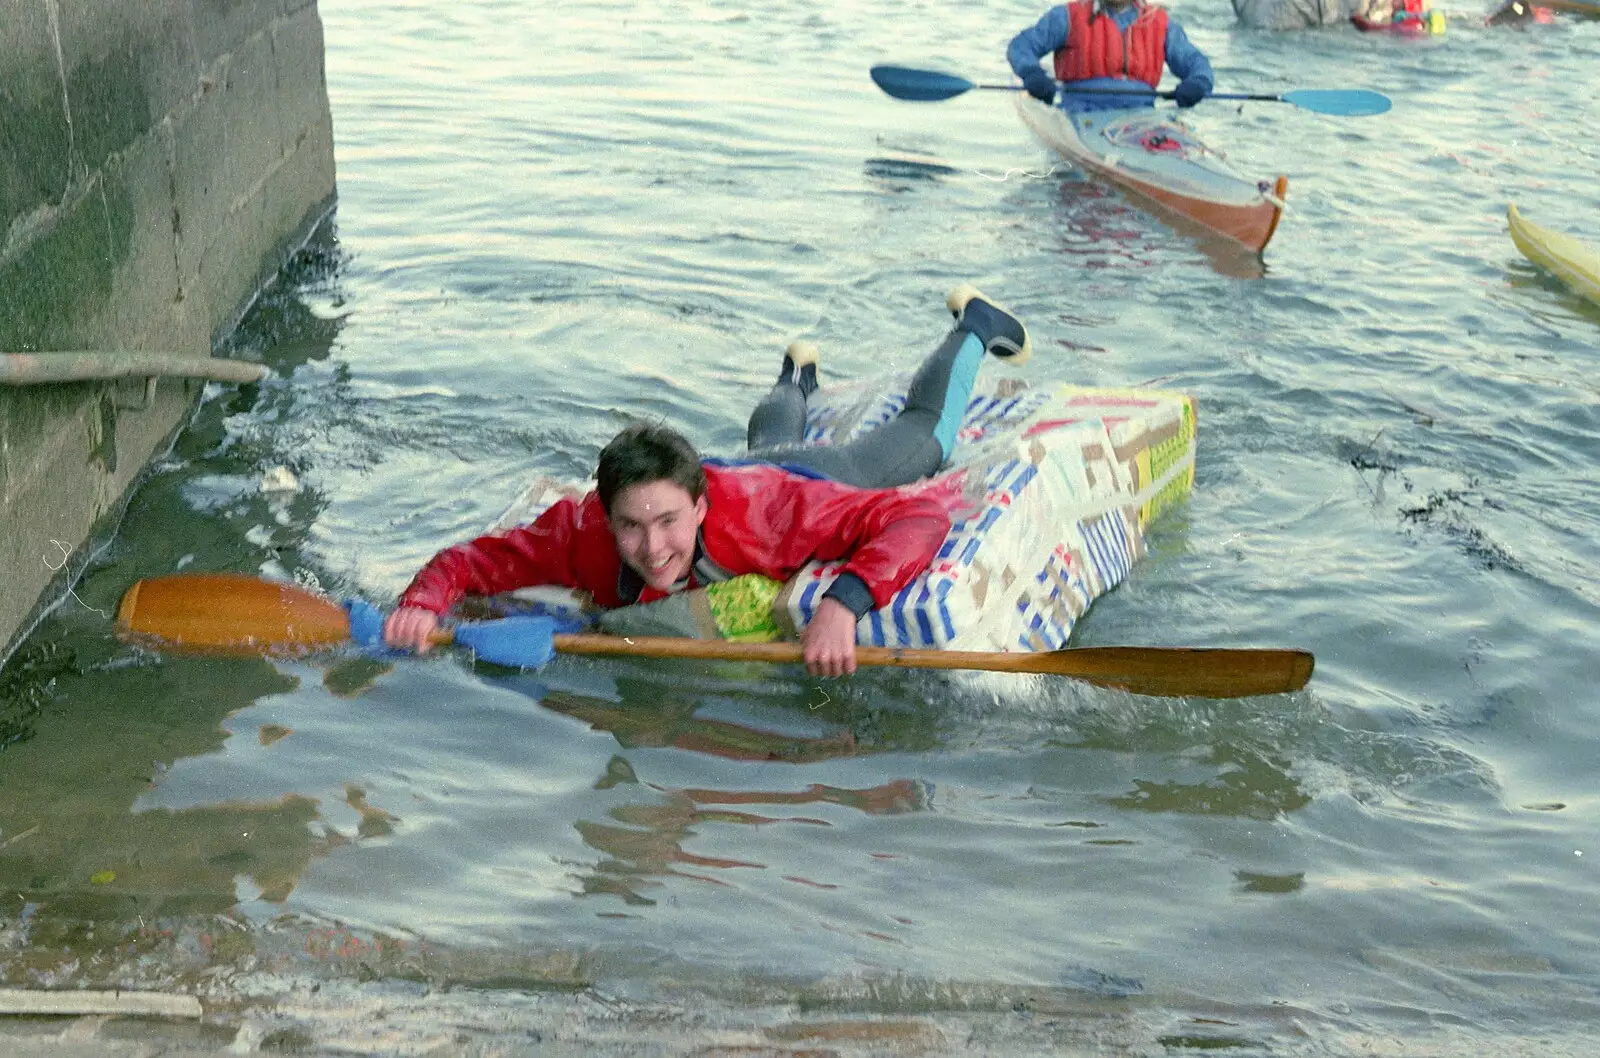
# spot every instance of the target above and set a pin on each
(1096, 47)
(761, 519)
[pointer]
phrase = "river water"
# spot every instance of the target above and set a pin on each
(550, 220)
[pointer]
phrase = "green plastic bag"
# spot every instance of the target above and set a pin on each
(740, 610)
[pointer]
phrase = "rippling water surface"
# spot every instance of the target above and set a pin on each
(550, 220)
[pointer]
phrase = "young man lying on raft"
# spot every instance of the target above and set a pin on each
(662, 520)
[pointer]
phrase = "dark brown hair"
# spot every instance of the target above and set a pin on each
(646, 452)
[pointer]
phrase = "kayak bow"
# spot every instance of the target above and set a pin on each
(1566, 258)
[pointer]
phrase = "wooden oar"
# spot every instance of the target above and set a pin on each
(931, 86)
(232, 612)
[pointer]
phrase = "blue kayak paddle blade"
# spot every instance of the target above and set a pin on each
(919, 86)
(366, 623)
(1343, 102)
(516, 642)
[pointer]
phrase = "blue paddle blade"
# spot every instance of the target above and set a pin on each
(1344, 102)
(919, 86)
(516, 642)
(366, 623)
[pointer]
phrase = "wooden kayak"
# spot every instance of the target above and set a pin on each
(1566, 258)
(1163, 164)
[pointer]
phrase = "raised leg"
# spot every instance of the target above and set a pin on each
(780, 419)
(914, 444)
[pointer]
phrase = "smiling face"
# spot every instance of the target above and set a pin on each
(655, 524)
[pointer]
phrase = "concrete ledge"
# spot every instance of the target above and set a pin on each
(159, 161)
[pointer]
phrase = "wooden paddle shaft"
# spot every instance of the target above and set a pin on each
(895, 657)
(1168, 670)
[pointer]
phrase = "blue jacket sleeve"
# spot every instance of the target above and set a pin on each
(1044, 37)
(1184, 59)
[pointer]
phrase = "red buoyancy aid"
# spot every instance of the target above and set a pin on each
(1096, 47)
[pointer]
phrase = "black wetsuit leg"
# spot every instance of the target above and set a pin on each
(907, 448)
(779, 421)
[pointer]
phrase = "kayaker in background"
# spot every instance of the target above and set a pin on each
(1306, 14)
(1402, 16)
(1297, 14)
(662, 520)
(1106, 44)
(1519, 13)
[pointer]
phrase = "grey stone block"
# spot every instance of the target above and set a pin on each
(297, 46)
(55, 497)
(34, 137)
(53, 293)
(156, 36)
(248, 96)
(145, 286)
(63, 487)
(169, 63)
(228, 272)
(26, 39)
(220, 25)
(306, 176)
(148, 431)
(109, 104)
(199, 178)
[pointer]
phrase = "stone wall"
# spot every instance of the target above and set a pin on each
(158, 161)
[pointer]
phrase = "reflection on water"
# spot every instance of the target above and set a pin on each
(25, 685)
(1245, 784)
(900, 174)
(86, 878)
(674, 723)
(1108, 228)
(650, 841)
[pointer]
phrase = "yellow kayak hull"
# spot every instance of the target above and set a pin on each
(1561, 255)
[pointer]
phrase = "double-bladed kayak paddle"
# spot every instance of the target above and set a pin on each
(931, 86)
(235, 613)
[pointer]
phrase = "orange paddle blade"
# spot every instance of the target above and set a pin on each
(228, 611)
